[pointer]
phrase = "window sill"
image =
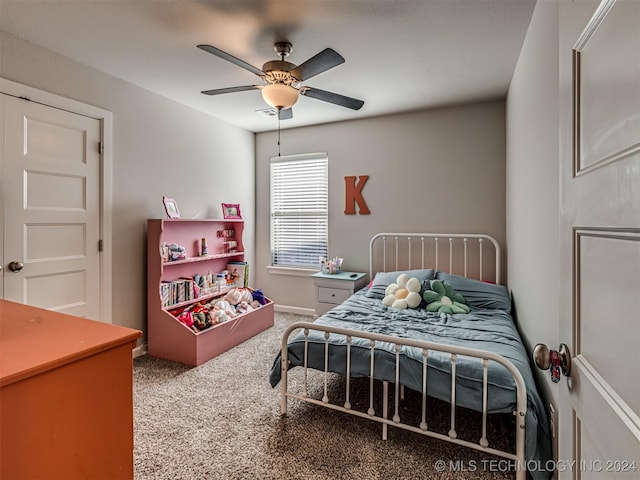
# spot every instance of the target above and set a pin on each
(293, 272)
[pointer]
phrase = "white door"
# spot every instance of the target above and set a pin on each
(599, 49)
(51, 203)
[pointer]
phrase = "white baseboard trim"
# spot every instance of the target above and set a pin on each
(298, 310)
(140, 350)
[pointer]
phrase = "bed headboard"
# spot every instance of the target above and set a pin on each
(469, 255)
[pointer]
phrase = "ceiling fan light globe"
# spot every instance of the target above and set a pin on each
(279, 96)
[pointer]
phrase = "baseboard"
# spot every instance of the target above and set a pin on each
(140, 350)
(298, 310)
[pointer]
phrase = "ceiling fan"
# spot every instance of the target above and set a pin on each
(283, 79)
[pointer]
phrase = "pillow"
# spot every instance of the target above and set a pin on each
(405, 293)
(479, 294)
(444, 299)
(384, 279)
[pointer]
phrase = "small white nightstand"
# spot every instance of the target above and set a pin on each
(334, 288)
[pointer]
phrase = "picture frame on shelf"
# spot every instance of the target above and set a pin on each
(231, 211)
(171, 207)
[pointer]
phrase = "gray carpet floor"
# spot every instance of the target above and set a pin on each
(222, 420)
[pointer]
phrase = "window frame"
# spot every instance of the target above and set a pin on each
(298, 268)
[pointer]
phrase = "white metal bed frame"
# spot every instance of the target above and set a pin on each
(427, 243)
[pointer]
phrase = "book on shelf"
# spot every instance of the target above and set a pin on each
(165, 293)
(178, 291)
(239, 274)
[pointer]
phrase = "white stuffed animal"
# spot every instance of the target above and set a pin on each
(220, 316)
(247, 296)
(244, 307)
(226, 307)
(233, 296)
(405, 293)
(238, 295)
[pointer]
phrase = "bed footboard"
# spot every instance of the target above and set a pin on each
(484, 357)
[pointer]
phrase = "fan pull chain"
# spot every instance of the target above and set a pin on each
(279, 111)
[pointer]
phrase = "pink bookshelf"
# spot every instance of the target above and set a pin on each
(170, 339)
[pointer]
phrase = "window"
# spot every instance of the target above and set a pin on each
(299, 210)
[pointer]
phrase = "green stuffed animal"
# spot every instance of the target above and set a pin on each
(444, 299)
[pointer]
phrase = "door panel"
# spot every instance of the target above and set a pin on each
(599, 409)
(608, 63)
(71, 191)
(55, 241)
(608, 265)
(52, 217)
(54, 142)
(38, 290)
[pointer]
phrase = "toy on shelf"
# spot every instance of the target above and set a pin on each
(259, 297)
(176, 252)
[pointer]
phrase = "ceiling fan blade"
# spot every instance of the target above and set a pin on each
(230, 58)
(348, 102)
(323, 61)
(286, 113)
(219, 91)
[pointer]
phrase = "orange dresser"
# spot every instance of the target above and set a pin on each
(66, 396)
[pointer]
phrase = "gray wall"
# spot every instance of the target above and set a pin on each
(532, 185)
(439, 170)
(160, 148)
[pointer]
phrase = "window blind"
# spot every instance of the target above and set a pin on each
(299, 210)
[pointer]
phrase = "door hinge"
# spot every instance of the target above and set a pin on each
(100, 245)
(100, 148)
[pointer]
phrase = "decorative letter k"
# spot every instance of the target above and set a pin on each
(354, 195)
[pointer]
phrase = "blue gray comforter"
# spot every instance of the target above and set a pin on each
(484, 329)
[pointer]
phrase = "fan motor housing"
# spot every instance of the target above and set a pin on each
(277, 71)
(278, 65)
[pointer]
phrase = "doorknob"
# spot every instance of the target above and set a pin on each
(555, 360)
(15, 266)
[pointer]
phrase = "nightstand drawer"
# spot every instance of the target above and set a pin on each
(333, 295)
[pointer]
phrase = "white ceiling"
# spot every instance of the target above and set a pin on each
(401, 55)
